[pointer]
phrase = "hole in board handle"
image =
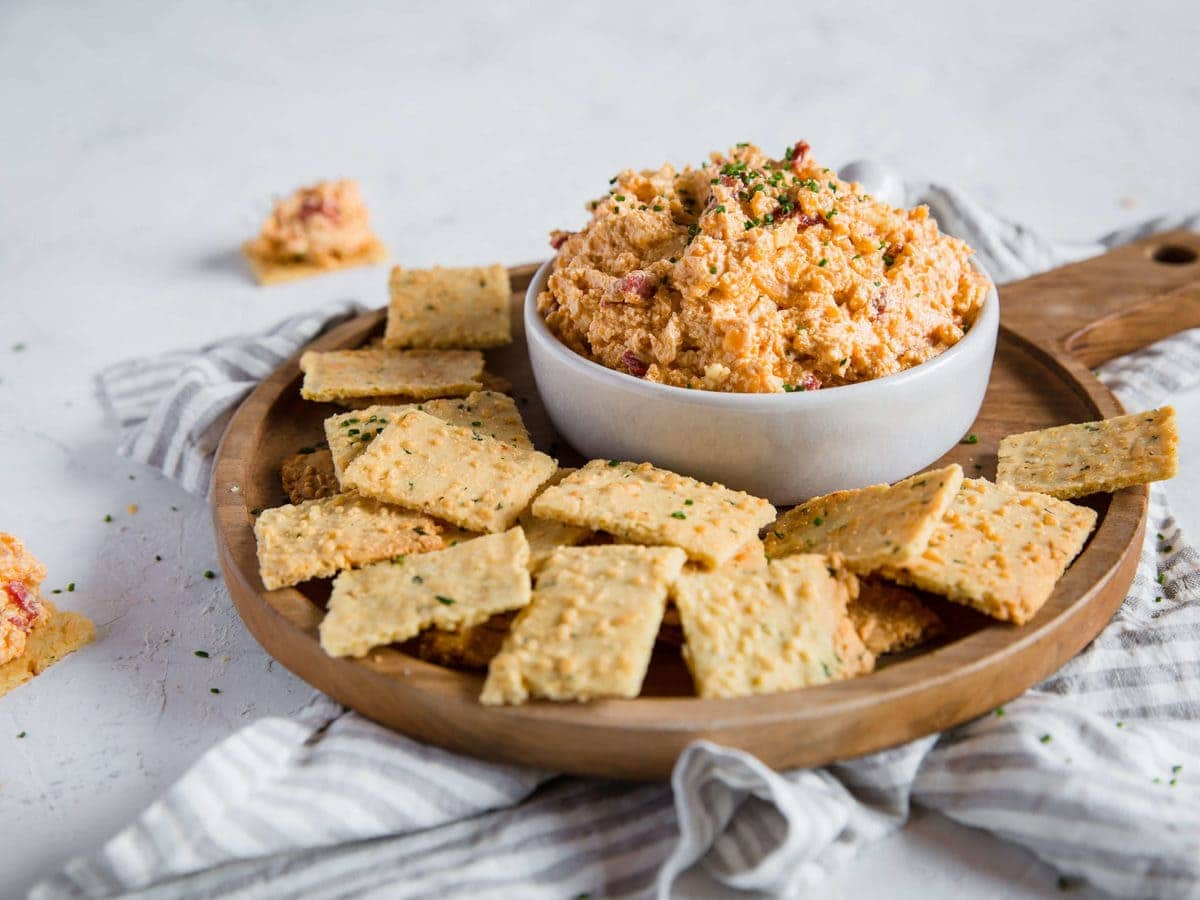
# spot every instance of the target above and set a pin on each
(1174, 255)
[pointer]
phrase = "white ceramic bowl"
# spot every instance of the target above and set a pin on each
(785, 447)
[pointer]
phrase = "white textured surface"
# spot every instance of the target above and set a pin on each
(142, 143)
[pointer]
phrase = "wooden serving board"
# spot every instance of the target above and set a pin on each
(1055, 326)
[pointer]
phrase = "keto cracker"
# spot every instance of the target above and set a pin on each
(999, 550)
(309, 475)
(55, 635)
(889, 618)
(590, 629)
(484, 412)
(268, 270)
(414, 374)
(870, 527)
(449, 589)
(545, 535)
(1076, 460)
(467, 648)
(470, 480)
(639, 503)
(449, 308)
(317, 538)
(760, 632)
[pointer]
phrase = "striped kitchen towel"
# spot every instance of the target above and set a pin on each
(173, 408)
(1096, 770)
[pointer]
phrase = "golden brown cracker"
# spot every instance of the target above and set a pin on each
(870, 527)
(999, 550)
(415, 374)
(889, 618)
(647, 505)
(449, 589)
(57, 634)
(309, 475)
(759, 632)
(484, 412)
(1075, 460)
(421, 462)
(589, 630)
(449, 307)
(467, 648)
(270, 271)
(318, 538)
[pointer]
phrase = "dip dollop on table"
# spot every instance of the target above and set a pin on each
(752, 274)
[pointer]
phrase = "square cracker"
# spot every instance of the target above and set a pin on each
(590, 629)
(473, 481)
(484, 412)
(1076, 460)
(415, 374)
(546, 535)
(646, 505)
(273, 271)
(450, 589)
(467, 648)
(56, 635)
(889, 618)
(759, 632)
(449, 307)
(999, 550)
(317, 538)
(309, 476)
(490, 381)
(870, 527)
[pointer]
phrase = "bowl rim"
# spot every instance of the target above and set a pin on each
(977, 340)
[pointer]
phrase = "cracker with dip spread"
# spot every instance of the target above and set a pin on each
(647, 505)
(318, 229)
(456, 588)
(309, 475)
(870, 527)
(589, 631)
(414, 374)
(317, 538)
(999, 550)
(753, 632)
(1076, 460)
(449, 308)
(484, 412)
(473, 481)
(889, 618)
(34, 634)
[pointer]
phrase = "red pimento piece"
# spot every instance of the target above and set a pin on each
(879, 303)
(558, 238)
(803, 219)
(811, 382)
(318, 206)
(27, 606)
(634, 364)
(641, 283)
(800, 153)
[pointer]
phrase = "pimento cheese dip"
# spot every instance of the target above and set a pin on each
(760, 275)
(21, 605)
(322, 225)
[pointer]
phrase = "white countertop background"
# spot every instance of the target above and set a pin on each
(141, 142)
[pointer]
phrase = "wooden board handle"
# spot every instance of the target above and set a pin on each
(1102, 308)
